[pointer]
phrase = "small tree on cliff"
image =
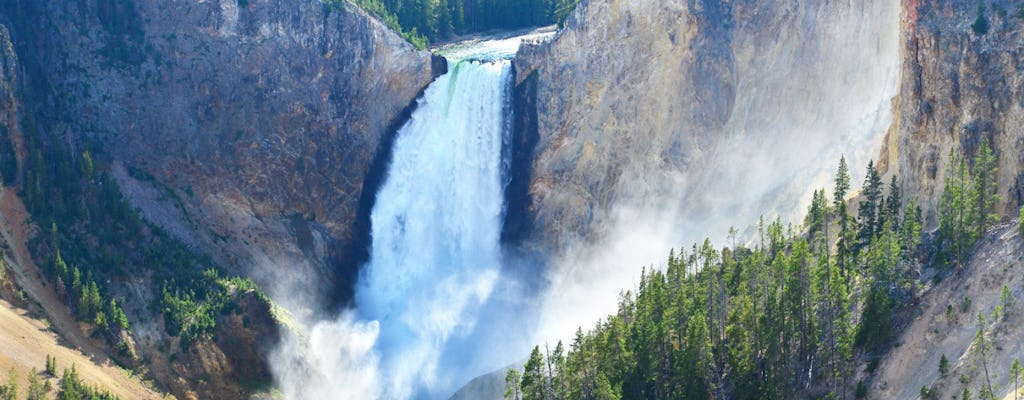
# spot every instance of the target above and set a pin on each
(985, 188)
(956, 211)
(1020, 221)
(980, 25)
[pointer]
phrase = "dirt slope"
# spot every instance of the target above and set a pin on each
(947, 324)
(25, 341)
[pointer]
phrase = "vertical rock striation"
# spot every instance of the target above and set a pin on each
(958, 88)
(701, 109)
(245, 128)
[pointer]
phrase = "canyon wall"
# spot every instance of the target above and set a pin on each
(705, 112)
(245, 128)
(249, 130)
(958, 88)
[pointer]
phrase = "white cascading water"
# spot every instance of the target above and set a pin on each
(435, 256)
(437, 223)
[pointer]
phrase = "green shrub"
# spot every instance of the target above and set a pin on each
(980, 25)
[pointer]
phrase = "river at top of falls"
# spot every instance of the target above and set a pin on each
(435, 257)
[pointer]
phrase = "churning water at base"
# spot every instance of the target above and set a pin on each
(435, 254)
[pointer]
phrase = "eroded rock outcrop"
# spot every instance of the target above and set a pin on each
(959, 87)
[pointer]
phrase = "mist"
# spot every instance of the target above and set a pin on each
(432, 280)
(441, 302)
(820, 90)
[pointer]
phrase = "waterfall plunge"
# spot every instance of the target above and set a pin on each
(435, 257)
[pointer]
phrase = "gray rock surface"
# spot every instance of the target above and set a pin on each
(959, 87)
(705, 112)
(246, 128)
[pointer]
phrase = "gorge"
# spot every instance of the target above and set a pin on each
(382, 221)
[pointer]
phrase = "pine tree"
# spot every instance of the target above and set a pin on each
(894, 204)
(911, 229)
(980, 25)
(1005, 308)
(9, 391)
(1015, 371)
(1020, 220)
(35, 386)
(512, 385)
(868, 213)
(842, 183)
(816, 214)
(51, 365)
(985, 188)
(981, 348)
(943, 365)
(956, 210)
(558, 381)
(532, 383)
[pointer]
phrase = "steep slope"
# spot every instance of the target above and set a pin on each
(27, 342)
(945, 324)
(699, 108)
(959, 87)
(245, 128)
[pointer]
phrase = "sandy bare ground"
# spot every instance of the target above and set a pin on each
(25, 341)
(998, 261)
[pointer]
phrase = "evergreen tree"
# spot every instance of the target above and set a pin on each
(842, 183)
(910, 234)
(956, 210)
(51, 365)
(9, 390)
(982, 345)
(532, 383)
(985, 194)
(1005, 308)
(894, 204)
(1020, 220)
(35, 386)
(868, 213)
(558, 379)
(943, 365)
(816, 214)
(980, 25)
(512, 385)
(1015, 371)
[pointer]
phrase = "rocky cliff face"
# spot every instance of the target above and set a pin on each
(246, 128)
(701, 109)
(250, 130)
(959, 87)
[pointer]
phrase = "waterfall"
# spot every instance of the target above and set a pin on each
(437, 222)
(435, 256)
